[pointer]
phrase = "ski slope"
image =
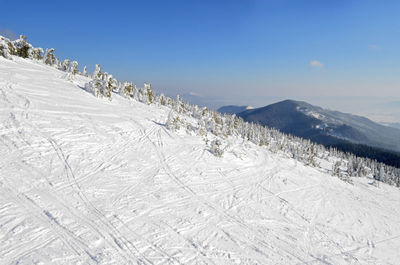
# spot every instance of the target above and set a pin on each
(85, 180)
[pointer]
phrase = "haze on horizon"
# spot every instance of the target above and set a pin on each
(342, 55)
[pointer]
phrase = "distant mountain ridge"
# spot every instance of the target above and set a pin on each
(345, 131)
(232, 109)
(305, 120)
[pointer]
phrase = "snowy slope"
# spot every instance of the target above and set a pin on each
(87, 181)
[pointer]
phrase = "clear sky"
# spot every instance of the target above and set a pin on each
(248, 52)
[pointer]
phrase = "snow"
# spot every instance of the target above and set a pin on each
(85, 180)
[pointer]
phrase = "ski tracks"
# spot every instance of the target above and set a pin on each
(246, 229)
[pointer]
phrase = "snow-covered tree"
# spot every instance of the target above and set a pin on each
(4, 47)
(350, 167)
(179, 105)
(173, 121)
(215, 148)
(2, 51)
(149, 93)
(128, 90)
(85, 71)
(110, 87)
(162, 100)
(22, 47)
(11, 48)
(336, 168)
(49, 57)
(59, 65)
(97, 72)
(74, 67)
(66, 65)
(96, 87)
(36, 53)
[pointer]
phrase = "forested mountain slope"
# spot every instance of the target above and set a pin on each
(306, 120)
(347, 132)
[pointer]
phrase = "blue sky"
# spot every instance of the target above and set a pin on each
(228, 51)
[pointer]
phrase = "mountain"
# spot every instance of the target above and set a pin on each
(324, 126)
(232, 109)
(104, 180)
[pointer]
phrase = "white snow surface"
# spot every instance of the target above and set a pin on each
(87, 181)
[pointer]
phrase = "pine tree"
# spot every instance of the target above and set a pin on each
(140, 95)
(59, 64)
(128, 89)
(11, 48)
(350, 167)
(111, 86)
(235, 122)
(104, 76)
(37, 53)
(74, 67)
(49, 57)
(216, 148)
(85, 71)
(336, 168)
(98, 88)
(23, 49)
(162, 100)
(66, 65)
(98, 85)
(2, 51)
(173, 121)
(97, 72)
(179, 107)
(149, 93)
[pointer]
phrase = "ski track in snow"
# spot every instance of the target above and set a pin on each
(88, 181)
